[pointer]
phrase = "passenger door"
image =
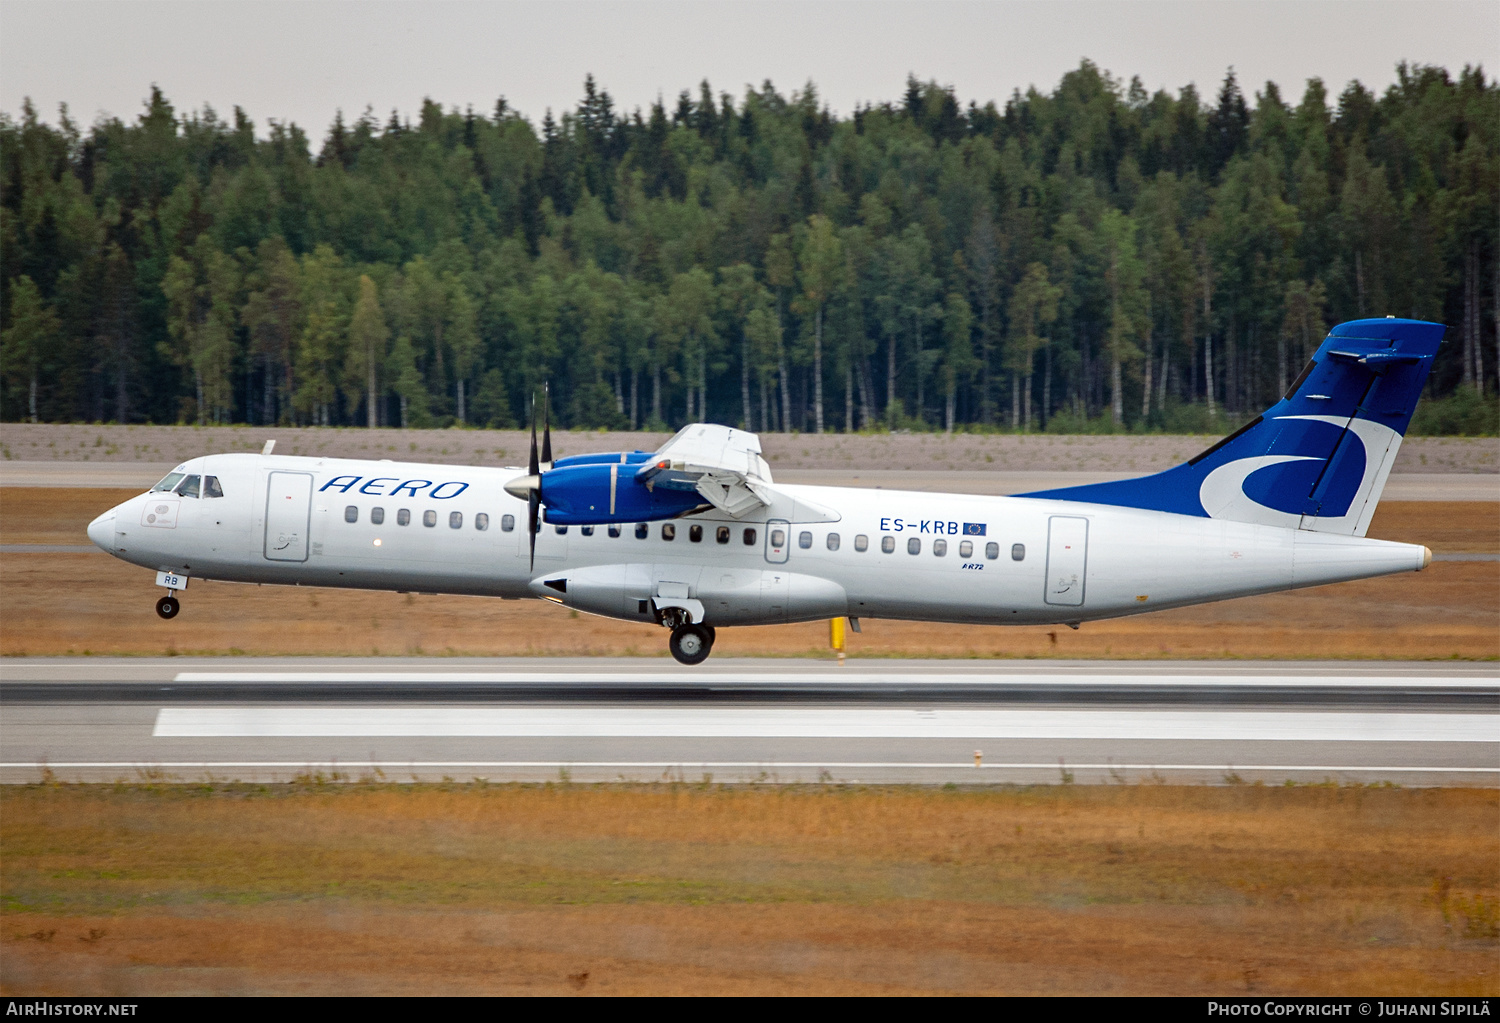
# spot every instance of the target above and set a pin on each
(288, 515)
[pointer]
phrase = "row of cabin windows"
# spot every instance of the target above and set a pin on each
(429, 518)
(184, 485)
(722, 534)
(913, 545)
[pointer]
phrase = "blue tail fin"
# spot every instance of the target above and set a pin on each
(1318, 459)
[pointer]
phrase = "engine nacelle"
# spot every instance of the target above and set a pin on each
(600, 493)
(605, 458)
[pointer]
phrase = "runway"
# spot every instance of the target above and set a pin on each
(932, 722)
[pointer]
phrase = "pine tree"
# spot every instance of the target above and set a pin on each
(367, 346)
(33, 330)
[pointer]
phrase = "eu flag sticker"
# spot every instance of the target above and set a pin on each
(974, 529)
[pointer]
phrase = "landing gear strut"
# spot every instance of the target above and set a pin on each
(691, 644)
(168, 607)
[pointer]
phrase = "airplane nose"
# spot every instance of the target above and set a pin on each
(102, 530)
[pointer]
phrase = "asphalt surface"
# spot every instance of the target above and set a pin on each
(96, 719)
(1399, 487)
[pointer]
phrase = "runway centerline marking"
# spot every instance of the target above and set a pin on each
(841, 722)
(960, 765)
(668, 679)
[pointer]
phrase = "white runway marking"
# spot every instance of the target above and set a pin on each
(837, 722)
(669, 677)
(552, 765)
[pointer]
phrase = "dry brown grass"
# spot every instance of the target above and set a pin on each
(87, 603)
(692, 889)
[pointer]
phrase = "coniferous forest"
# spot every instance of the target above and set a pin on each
(1091, 258)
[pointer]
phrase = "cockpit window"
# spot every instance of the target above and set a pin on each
(168, 482)
(211, 487)
(189, 486)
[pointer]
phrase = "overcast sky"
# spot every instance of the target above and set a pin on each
(301, 60)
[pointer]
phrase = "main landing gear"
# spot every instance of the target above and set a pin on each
(690, 643)
(168, 607)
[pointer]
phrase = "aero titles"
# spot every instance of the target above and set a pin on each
(441, 491)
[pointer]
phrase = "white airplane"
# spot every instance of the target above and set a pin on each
(697, 535)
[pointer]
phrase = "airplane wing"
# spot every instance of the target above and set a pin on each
(722, 464)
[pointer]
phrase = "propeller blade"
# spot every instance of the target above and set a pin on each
(533, 503)
(547, 424)
(531, 464)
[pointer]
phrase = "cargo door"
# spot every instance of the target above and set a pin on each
(551, 540)
(1067, 560)
(288, 515)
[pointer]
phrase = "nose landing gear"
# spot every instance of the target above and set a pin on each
(168, 607)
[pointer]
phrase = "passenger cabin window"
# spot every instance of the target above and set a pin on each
(861, 542)
(614, 530)
(642, 530)
(211, 487)
(992, 551)
(168, 482)
(429, 518)
(887, 544)
(587, 530)
(455, 520)
(403, 517)
(668, 531)
(482, 521)
(966, 549)
(1018, 552)
(695, 534)
(939, 548)
(833, 541)
(749, 538)
(560, 530)
(804, 540)
(914, 546)
(507, 523)
(377, 516)
(778, 538)
(351, 513)
(189, 486)
(721, 535)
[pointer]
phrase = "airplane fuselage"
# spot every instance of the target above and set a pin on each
(812, 553)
